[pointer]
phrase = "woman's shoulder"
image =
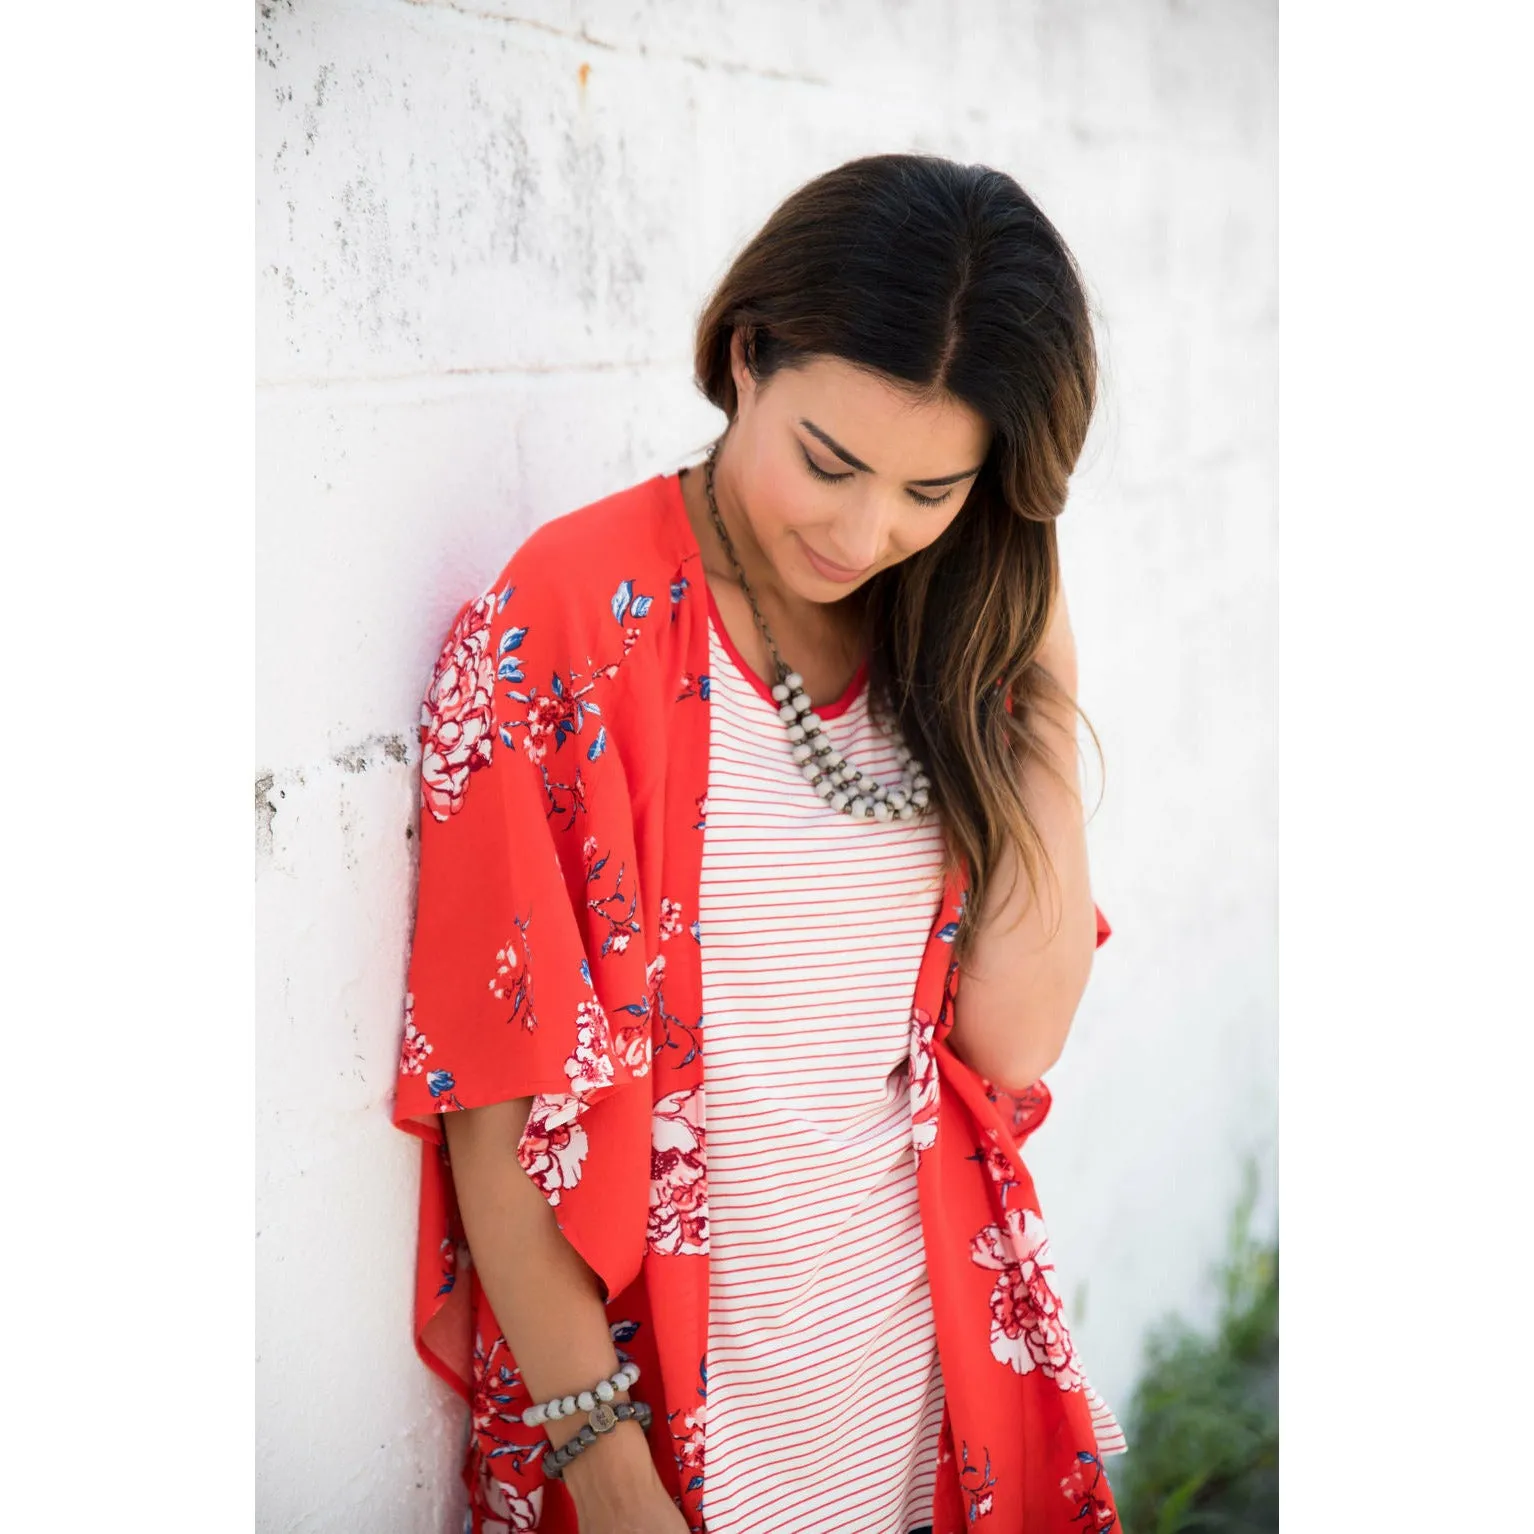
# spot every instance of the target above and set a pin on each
(578, 590)
(639, 534)
(562, 617)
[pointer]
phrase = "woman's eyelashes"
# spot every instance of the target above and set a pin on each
(836, 479)
(820, 473)
(929, 500)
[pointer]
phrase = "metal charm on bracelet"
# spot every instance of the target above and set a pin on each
(602, 1418)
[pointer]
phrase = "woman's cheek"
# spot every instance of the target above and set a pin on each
(787, 502)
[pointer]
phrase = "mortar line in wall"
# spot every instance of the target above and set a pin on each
(449, 379)
(1110, 138)
(583, 37)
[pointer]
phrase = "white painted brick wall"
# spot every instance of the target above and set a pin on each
(483, 233)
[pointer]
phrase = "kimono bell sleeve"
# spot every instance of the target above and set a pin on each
(502, 999)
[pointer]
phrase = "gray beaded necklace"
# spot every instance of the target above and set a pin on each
(842, 786)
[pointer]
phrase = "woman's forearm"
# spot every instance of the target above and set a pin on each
(1023, 982)
(546, 1298)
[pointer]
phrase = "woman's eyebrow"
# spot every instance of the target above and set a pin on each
(857, 463)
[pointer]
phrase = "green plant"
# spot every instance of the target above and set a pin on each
(1203, 1423)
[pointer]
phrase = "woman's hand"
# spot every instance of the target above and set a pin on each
(617, 1490)
(652, 1512)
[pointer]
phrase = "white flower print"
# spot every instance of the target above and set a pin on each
(508, 971)
(688, 1445)
(553, 1144)
(414, 1049)
(590, 1066)
(1028, 1327)
(632, 1044)
(678, 1176)
(922, 1065)
(510, 1508)
(457, 716)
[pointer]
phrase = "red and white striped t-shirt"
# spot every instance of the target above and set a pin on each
(825, 1397)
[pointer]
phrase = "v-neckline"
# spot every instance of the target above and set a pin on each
(832, 710)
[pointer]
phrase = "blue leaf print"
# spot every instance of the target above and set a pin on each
(642, 606)
(506, 739)
(559, 687)
(447, 1285)
(623, 1330)
(621, 599)
(948, 932)
(439, 1082)
(1084, 1457)
(599, 865)
(697, 931)
(511, 640)
(703, 687)
(510, 670)
(677, 588)
(695, 1483)
(598, 746)
(504, 598)
(586, 971)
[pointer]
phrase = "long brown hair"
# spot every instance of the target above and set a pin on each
(949, 280)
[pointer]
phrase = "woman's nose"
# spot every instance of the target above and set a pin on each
(855, 548)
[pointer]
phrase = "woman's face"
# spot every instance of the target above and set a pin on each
(837, 467)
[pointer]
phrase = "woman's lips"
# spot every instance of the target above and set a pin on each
(833, 572)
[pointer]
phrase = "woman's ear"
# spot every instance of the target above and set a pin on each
(740, 369)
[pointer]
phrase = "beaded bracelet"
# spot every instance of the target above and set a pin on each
(603, 1419)
(567, 1406)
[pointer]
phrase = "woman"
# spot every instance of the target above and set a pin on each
(771, 762)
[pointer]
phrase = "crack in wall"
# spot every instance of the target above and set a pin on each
(392, 747)
(586, 39)
(271, 787)
(266, 813)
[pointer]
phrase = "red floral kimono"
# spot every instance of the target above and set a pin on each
(556, 956)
